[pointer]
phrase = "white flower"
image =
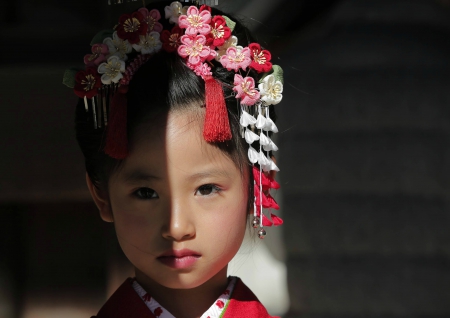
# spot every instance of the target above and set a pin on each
(149, 43)
(271, 90)
(174, 11)
(250, 136)
(260, 121)
(246, 119)
(112, 70)
(253, 155)
(118, 47)
(222, 50)
(270, 125)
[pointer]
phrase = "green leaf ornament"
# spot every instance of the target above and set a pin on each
(69, 77)
(230, 23)
(100, 36)
(277, 72)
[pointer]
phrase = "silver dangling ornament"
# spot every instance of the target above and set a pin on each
(256, 222)
(262, 233)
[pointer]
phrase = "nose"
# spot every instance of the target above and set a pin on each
(180, 225)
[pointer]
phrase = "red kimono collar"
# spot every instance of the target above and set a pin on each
(126, 303)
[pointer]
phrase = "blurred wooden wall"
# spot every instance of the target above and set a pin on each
(365, 157)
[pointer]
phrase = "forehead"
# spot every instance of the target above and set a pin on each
(173, 143)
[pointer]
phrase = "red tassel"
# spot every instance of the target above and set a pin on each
(265, 203)
(273, 184)
(116, 134)
(276, 219)
(217, 126)
(272, 203)
(265, 180)
(266, 221)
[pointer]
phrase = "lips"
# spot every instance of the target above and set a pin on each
(179, 259)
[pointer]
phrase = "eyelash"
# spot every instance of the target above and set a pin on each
(215, 189)
(153, 195)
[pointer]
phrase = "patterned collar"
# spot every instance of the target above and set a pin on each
(215, 311)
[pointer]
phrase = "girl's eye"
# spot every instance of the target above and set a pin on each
(207, 189)
(146, 194)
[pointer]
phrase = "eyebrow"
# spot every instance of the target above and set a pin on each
(209, 173)
(139, 175)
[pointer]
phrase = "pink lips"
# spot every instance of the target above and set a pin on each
(179, 258)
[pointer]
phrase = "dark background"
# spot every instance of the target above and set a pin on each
(364, 153)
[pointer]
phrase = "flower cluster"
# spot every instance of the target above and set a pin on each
(139, 32)
(197, 36)
(207, 37)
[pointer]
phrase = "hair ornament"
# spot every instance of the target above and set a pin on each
(203, 41)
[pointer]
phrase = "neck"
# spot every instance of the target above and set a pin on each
(184, 303)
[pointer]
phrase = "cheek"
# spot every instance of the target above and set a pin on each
(227, 227)
(129, 222)
(134, 228)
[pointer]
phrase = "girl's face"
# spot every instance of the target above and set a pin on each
(179, 205)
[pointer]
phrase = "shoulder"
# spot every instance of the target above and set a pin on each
(125, 302)
(243, 303)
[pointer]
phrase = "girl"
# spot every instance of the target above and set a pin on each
(165, 104)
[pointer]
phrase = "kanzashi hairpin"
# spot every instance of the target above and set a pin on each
(203, 41)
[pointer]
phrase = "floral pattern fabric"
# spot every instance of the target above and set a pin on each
(215, 311)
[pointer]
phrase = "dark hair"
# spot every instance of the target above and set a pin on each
(162, 84)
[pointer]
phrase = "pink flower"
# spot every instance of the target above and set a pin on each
(212, 55)
(245, 88)
(195, 22)
(98, 55)
(201, 69)
(194, 48)
(151, 18)
(235, 58)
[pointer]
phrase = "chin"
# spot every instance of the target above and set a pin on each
(182, 280)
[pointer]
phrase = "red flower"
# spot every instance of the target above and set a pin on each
(158, 311)
(205, 7)
(260, 58)
(220, 304)
(226, 292)
(87, 83)
(131, 26)
(147, 297)
(171, 39)
(219, 32)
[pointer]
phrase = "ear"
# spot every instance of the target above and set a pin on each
(100, 198)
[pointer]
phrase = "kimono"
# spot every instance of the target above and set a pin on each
(127, 302)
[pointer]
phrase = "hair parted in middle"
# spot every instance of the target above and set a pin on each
(164, 82)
